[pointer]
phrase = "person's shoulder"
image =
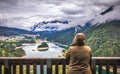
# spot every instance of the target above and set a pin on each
(88, 47)
(71, 47)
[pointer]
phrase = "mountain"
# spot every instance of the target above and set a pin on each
(62, 36)
(59, 36)
(104, 39)
(7, 31)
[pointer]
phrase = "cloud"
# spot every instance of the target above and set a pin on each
(0, 16)
(106, 2)
(26, 13)
(8, 2)
(72, 11)
(114, 14)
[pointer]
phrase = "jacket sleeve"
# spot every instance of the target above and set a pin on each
(67, 55)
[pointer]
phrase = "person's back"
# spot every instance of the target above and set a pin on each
(79, 58)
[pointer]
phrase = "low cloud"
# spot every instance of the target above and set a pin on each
(113, 15)
(72, 11)
(107, 3)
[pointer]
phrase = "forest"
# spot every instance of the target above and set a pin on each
(8, 47)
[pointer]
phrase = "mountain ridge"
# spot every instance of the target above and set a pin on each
(7, 31)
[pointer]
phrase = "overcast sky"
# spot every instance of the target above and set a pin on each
(25, 13)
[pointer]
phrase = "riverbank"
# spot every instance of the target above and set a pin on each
(27, 44)
(61, 45)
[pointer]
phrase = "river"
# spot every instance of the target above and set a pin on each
(54, 51)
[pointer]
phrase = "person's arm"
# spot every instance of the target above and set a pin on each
(67, 56)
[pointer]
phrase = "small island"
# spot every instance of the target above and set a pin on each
(43, 47)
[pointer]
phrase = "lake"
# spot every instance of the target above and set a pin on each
(54, 51)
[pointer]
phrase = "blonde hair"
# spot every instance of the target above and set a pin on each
(79, 40)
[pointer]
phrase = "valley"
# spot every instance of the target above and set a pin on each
(102, 38)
